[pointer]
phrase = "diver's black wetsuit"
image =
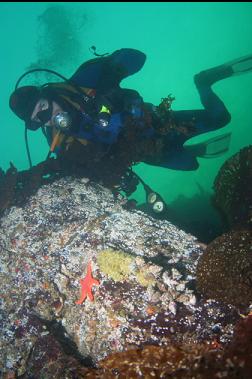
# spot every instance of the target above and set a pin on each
(191, 123)
(104, 74)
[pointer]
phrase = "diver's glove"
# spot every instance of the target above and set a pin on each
(128, 183)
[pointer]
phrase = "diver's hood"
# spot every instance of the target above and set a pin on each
(23, 100)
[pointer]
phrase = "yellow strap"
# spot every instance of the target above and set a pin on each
(55, 141)
(76, 105)
(87, 91)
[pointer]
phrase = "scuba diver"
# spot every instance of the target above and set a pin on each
(91, 120)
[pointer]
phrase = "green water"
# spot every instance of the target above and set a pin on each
(180, 39)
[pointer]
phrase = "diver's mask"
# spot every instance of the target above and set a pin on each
(43, 117)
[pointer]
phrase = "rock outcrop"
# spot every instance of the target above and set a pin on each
(144, 271)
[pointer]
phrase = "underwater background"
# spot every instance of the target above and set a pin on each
(179, 39)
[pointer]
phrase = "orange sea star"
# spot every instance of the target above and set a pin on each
(86, 285)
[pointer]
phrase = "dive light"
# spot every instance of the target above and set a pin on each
(62, 121)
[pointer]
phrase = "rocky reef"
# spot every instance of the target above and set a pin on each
(183, 361)
(91, 288)
(139, 286)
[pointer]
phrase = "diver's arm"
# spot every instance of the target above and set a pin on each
(107, 72)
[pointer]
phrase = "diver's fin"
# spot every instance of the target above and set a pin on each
(241, 65)
(232, 68)
(211, 148)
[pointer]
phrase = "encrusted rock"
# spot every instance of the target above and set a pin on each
(145, 269)
(233, 190)
(224, 271)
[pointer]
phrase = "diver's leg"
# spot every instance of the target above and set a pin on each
(205, 79)
(216, 111)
